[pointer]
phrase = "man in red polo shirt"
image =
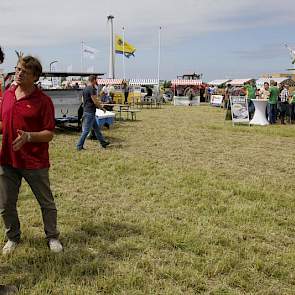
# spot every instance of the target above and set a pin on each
(27, 124)
(6, 289)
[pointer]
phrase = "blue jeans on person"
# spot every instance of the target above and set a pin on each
(89, 121)
(272, 113)
(251, 108)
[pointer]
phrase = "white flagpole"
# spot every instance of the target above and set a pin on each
(159, 58)
(82, 53)
(123, 52)
(112, 52)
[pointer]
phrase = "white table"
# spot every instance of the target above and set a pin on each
(259, 115)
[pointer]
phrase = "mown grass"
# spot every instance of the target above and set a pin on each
(180, 203)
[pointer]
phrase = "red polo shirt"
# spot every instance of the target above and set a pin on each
(31, 113)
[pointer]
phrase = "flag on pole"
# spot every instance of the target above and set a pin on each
(88, 51)
(123, 47)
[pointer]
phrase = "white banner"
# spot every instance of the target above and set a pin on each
(88, 51)
(216, 100)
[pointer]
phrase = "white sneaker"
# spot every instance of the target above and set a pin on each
(55, 245)
(9, 247)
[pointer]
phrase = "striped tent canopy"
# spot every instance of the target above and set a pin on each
(186, 82)
(143, 82)
(109, 81)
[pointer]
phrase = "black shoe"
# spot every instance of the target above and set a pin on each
(104, 144)
(81, 149)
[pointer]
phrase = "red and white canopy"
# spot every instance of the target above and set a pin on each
(143, 82)
(109, 81)
(186, 82)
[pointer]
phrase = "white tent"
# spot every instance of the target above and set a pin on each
(219, 82)
(239, 82)
(281, 80)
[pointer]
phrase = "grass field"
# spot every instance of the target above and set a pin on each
(180, 203)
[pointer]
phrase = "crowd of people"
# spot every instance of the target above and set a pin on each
(281, 101)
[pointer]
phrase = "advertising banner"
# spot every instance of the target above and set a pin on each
(216, 100)
(239, 109)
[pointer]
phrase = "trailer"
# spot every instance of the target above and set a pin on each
(67, 101)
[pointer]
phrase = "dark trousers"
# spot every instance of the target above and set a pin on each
(126, 97)
(251, 108)
(283, 107)
(38, 180)
(272, 113)
(89, 121)
(292, 106)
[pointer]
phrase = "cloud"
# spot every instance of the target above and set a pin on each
(36, 23)
(265, 52)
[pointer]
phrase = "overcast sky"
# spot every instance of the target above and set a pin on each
(221, 38)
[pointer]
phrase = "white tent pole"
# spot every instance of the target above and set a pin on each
(82, 53)
(123, 53)
(159, 58)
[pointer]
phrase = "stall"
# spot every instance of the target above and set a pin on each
(186, 92)
(117, 83)
(217, 95)
(143, 90)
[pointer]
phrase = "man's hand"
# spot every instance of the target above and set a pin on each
(22, 138)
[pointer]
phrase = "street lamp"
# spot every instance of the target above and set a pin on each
(50, 66)
(53, 62)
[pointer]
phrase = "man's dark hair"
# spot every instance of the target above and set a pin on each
(1, 56)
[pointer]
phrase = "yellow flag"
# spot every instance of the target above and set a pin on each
(128, 49)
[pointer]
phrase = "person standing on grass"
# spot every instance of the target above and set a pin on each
(284, 103)
(251, 94)
(5, 289)
(27, 125)
(90, 103)
(292, 106)
(272, 102)
(125, 89)
(264, 92)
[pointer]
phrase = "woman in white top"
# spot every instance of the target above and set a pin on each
(264, 92)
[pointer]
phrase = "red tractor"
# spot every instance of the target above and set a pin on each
(189, 85)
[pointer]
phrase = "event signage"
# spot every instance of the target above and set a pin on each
(239, 109)
(216, 100)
